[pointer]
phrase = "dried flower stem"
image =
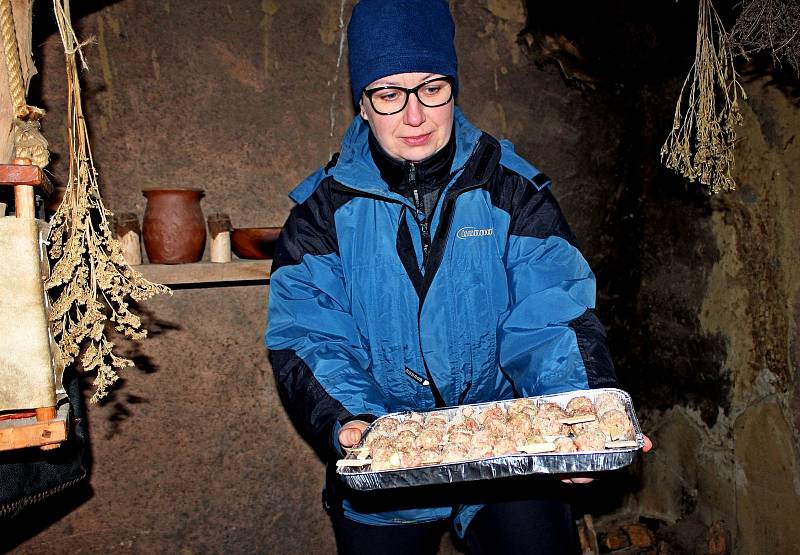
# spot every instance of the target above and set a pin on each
(772, 25)
(92, 280)
(701, 143)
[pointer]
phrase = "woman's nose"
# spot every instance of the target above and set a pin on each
(414, 114)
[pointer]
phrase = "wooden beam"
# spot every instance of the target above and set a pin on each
(17, 434)
(207, 272)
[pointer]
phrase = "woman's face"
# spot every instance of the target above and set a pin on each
(417, 131)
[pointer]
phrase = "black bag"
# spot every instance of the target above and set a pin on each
(27, 476)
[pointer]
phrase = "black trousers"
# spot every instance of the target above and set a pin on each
(541, 527)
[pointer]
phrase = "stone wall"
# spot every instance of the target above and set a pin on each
(193, 453)
(730, 455)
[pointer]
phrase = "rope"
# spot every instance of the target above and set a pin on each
(30, 143)
(28, 139)
(11, 50)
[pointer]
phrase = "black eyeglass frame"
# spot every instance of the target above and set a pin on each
(369, 92)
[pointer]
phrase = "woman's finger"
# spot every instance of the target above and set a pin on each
(350, 434)
(577, 480)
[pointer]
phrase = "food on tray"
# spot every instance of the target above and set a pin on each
(580, 406)
(565, 445)
(615, 424)
(590, 440)
(606, 402)
(475, 432)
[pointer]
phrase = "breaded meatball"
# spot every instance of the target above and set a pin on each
(496, 425)
(522, 406)
(430, 438)
(504, 446)
(590, 441)
(549, 427)
(436, 420)
(413, 426)
(616, 425)
(385, 458)
(605, 402)
(479, 450)
(492, 411)
(550, 411)
(466, 424)
(580, 406)
(454, 453)
(410, 458)
(521, 423)
(430, 456)
(459, 437)
(585, 427)
(385, 425)
(565, 445)
(405, 438)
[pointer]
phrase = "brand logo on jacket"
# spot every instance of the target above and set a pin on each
(417, 378)
(467, 232)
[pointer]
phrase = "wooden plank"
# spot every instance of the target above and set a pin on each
(30, 433)
(20, 174)
(207, 272)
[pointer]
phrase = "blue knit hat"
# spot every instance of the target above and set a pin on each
(385, 37)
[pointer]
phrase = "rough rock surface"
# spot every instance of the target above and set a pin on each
(194, 453)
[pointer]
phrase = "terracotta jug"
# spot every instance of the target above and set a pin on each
(173, 228)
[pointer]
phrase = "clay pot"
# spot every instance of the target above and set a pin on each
(173, 228)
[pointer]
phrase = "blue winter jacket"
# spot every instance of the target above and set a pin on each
(358, 327)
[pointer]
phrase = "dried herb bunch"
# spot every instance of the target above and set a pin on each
(772, 25)
(90, 281)
(702, 140)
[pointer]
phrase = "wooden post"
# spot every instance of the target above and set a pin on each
(24, 203)
(45, 413)
(219, 227)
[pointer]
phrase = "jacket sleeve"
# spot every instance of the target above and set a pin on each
(549, 339)
(319, 360)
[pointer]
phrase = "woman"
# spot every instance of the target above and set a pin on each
(427, 266)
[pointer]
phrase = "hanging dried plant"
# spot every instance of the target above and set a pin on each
(91, 281)
(772, 25)
(702, 140)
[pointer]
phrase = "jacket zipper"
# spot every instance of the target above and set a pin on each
(426, 240)
(424, 226)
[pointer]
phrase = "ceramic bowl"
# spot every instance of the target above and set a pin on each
(254, 242)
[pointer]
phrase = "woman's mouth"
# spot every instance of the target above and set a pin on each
(416, 140)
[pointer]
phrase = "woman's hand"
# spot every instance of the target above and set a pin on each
(351, 433)
(648, 445)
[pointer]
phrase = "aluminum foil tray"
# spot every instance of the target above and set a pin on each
(363, 477)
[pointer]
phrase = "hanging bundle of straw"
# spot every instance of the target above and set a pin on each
(772, 25)
(701, 144)
(91, 280)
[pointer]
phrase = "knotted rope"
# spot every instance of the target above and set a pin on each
(28, 139)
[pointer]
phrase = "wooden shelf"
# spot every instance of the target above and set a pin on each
(253, 271)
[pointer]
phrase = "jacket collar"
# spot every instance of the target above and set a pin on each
(356, 169)
(430, 172)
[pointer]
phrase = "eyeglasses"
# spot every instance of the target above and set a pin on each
(390, 100)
